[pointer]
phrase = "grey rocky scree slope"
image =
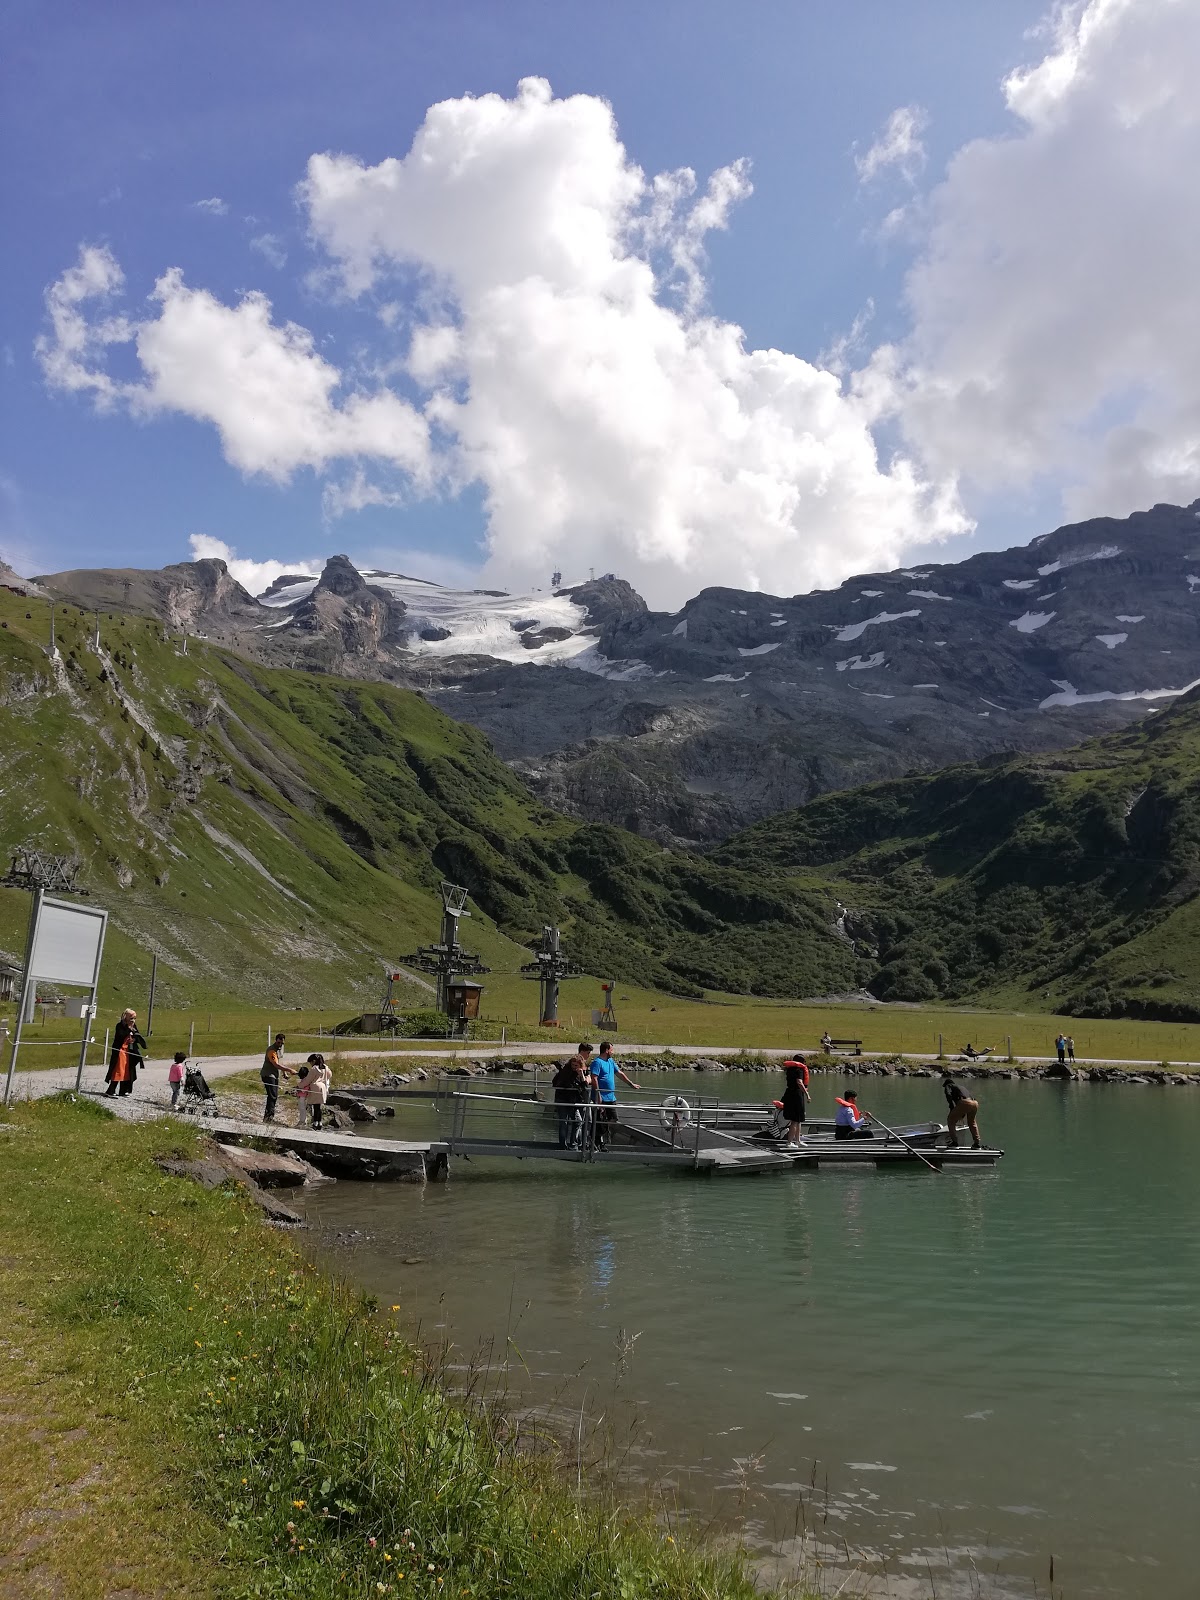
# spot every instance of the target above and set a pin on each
(687, 726)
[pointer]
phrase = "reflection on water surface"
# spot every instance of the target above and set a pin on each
(954, 1378)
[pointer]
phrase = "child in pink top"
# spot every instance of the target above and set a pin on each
(175, 1077)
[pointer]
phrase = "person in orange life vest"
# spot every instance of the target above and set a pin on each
(795, 1097)
(848, 1119)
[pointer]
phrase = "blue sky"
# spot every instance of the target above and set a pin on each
(123, 117)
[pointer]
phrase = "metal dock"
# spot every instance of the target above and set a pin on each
(696, 1134)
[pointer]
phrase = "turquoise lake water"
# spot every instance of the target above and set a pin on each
(939, 1384)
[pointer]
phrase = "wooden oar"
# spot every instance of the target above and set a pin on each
(911, 1148)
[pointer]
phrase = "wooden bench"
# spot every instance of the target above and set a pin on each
(852, 1046)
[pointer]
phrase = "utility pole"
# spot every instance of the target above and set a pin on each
(153, 985)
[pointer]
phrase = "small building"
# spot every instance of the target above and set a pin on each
(462, 999)
(10, 979)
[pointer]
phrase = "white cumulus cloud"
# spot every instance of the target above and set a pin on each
(254, 576)
(214, 206)
(272, 398)
(574, 374)
(1055, 336)
(899, 145)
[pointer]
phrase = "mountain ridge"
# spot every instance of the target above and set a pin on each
(689, 726)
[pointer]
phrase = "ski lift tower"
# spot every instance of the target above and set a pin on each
(37, 869)
(447, 960)
(549, 966)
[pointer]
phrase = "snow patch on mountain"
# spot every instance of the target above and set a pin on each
(861, 663)
(1021, 583)
(761, 649)
(929, 594)
(1111, 640)
(1105, 553)
(854, 630)
(1032, 621)
(1069, 695)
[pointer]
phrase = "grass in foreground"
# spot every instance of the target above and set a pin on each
(195, 1410)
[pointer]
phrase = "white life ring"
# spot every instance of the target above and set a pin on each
(674, 1113)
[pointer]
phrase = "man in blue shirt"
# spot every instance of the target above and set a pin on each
(605, 1073)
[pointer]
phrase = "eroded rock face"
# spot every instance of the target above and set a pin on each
(354, 620)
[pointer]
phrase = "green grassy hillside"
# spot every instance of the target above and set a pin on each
(277, 837)
(1068, 881)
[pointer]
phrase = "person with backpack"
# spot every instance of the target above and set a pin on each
(270, 1072)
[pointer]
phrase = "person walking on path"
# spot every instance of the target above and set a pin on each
(605, 1073)
(1071, 1047)
(270, 1072)
(127, 1056)
(1060, 1044)
(316, 1088)
(848, 1119)
(795, 1097)
(570, 1084)
(960, 1108)
(175, 1076)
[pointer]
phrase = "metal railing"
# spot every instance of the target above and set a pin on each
(674, 1125)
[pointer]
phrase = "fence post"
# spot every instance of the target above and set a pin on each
(192, 1036)
(941, 1049)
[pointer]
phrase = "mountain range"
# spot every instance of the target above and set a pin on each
(689, 726)
(272, 832)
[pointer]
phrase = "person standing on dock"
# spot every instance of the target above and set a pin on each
(848, 1119)
(270, 1072)
(795, 1097)
(1071, 1047)
(570, 1085)
(127, 1055)
(1060, 1044)
(961, 1108)
(605, 1073)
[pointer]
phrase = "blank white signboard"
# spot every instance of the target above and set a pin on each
(66, 946)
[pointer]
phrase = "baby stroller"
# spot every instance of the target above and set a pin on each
(197, 1096)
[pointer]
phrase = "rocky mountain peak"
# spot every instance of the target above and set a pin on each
(341, 577)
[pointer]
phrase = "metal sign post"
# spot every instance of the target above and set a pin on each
(66, 944)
